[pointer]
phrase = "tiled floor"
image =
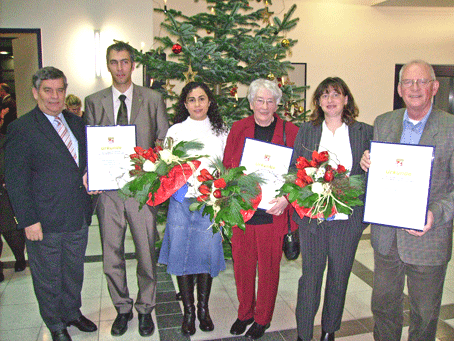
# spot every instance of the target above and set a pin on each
(20, 319)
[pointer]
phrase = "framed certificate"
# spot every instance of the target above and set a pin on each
(269, 160)
(398, 185)
(108, 150)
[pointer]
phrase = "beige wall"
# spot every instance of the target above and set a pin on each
(67, 29)
(359, 43)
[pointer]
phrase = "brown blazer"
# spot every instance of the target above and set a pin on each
(435, 246)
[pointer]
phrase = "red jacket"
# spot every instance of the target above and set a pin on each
(234, 149)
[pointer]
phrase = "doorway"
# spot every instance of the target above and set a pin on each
(21, 58)
(444, 99)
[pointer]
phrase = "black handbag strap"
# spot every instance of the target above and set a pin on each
(285, 136)
(288, 214)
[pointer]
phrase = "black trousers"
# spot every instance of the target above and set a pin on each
(333, 242)
(57, 267)
(16, 242)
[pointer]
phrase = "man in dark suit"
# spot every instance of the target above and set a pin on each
(421, 256)
(8, 111)
(45, 161)
(15, 238)
(126, 103)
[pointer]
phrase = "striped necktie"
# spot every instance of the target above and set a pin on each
(64, 134)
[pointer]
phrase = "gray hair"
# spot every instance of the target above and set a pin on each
(48, 72)
(262, 83)
(420, 62)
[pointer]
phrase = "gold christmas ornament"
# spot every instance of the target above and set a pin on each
(270, 77)
(189, 75)
(266, 16)
(169, 88)
(285, 42)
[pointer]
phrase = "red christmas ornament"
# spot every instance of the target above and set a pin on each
(176, 48)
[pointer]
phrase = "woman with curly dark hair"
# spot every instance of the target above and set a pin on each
(333, 128)
(189, 248)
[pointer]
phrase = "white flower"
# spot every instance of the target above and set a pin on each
(167, 156)
(320, 173)
(310, 170)
(149, 166)
(317, 188)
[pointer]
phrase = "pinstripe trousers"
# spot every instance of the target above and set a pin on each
(333, 242)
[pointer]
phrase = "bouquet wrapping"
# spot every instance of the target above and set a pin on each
(159, 172)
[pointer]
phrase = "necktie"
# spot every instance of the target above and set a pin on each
(122, 116)
(64, 134)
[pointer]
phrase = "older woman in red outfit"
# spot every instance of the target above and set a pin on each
(260, 245)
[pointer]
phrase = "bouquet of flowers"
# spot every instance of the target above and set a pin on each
(160, 172)
(318, 190)
(229, 196)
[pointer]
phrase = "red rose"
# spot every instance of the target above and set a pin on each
(139, 150)
(204, 189)
(301, 173)
(202, 197)
(157, 149)
(341, 169)
(217, 194)
(206, 174)
(299, 182)
(329, 176)
(307, 179)
(137, 167)
(201, 178)
(319, 158)
(134, 156)
(219, 183)
(302, 163)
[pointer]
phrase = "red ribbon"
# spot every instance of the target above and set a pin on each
(172, 182)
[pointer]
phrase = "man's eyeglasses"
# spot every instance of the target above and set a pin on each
(406, 83)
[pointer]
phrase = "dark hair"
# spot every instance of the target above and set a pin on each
(121, 46)
(217, 124)
(48, 72)
(350, 109)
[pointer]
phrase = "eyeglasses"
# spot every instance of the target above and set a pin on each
(261, 102)
(422, 82)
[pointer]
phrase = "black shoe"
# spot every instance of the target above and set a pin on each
(146, 325)
(120, 325)
(20, 265)
(256, 331)
(83, 324)
(327, 336)
(239, 327)
(61, 335)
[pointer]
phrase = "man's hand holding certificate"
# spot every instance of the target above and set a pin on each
(398, 185)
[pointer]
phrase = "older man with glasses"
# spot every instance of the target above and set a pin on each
(421, 256)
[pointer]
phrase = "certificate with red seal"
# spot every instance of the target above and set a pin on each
(398, 185)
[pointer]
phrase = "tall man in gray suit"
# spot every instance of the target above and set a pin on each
(420, 256)
(126, 103)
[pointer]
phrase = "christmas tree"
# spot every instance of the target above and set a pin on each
(227, 47)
